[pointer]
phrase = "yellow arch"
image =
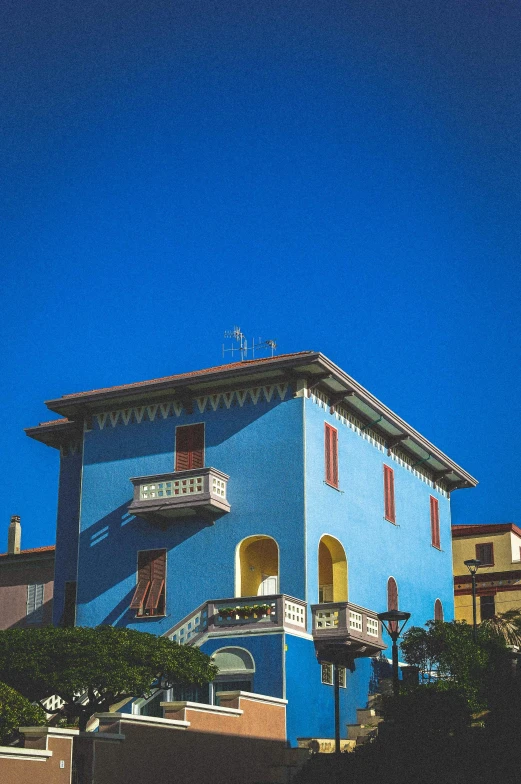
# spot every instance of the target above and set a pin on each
(256, 560)
(332, 570)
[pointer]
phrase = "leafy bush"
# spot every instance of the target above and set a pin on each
(16, 711)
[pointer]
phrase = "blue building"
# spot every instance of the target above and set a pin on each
(264, 510)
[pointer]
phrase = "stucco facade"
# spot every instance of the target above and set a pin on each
(498, 580)
(330, 498)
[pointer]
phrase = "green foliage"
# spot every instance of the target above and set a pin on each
(447, 655)
(103, 665)
(506, 626)
(428, 711)
(16, 711)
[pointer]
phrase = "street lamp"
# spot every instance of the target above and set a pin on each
(391, 621)
(473, 565)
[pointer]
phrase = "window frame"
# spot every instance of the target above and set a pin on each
(485, 544)
(389, 495)
(341, 673)
(35, 615)
(331, 455)
(435, 522)
(491, 604)
(438, 604)
(190, 452)
(141, 601)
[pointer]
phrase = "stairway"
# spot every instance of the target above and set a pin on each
(366, 727)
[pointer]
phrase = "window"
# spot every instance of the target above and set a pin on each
(487, 606)
(435, 522)
(69, 605)
(149, 596)
(331, 454)
(328, 675)
(236, 671)
(389, 513)
(392, 600)
(189, 447)
(35, 603)
(485, 553)
(438, 610)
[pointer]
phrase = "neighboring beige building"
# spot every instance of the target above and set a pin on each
(26, 582)
(498, 580)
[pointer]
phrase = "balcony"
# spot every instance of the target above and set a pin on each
(221, 617)
(198, 491)
(343, 631)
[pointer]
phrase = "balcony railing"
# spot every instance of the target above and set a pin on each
(198, 491)
(343, 625)
(241, 615)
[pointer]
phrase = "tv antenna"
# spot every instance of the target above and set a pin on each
(243, 347)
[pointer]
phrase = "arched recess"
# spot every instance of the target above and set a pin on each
(332, 571)
(236, 670)
(257, 566)
(438, 610)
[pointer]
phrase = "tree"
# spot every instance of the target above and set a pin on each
(505, 625)
(446, 655)
(16, 711)
(93, 668)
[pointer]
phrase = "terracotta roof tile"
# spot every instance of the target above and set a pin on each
(193, 373)
(53, 422)
(47, 548)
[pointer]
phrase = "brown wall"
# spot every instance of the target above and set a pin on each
(38, 770)
(16, 573)
(215, 749)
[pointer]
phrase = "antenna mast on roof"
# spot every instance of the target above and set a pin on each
(243, 348)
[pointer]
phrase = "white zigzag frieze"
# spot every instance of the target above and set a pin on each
(219, 400)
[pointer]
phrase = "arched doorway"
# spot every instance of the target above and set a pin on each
(236, 670)
(332, 571)
(257, 567)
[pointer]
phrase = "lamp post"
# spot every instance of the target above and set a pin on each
(473, 565)
(391, 621)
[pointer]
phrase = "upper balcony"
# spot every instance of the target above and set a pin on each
(198, 491)
(344, 630)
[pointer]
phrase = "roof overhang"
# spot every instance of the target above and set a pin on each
(319, 373)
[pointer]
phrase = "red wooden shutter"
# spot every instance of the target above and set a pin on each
(438, 610)
(189, 447)
(158, 569)
(331, 454)
(143, 581)
(390, 513)
(485, 553)
(197, 446)
(435, 522)
(392, 600)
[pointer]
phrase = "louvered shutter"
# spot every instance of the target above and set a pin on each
(438, 610)
(182, 449)
(143, 581)
(157, 572)
(390, 513)
(331, 454)
(392, 600)
(35, 603)
(435, 522)
(189, 447)
(485, 554)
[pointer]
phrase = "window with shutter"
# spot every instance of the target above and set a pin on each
(189, 447)
(331, 454)
(35, 603)
(487, 607)
(435, 522)
(485, 553)
(389, 510)
(392, 600)
(149, 596)
(438, 610)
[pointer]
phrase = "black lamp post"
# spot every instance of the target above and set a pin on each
(473, 565)
(391, 621)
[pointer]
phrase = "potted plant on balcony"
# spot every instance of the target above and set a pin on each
(226, 612)
(261, 610)
(245, 611)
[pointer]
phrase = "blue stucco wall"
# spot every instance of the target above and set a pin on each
(67, 528)
(310, 709)
(267, 652)
(252, 444)
(354, 514)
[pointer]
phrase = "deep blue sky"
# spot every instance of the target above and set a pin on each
(341, 176)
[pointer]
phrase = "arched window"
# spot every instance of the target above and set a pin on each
(236, 670)
(438, 610)
(257, 567)
(332, 571)
(392, 600)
